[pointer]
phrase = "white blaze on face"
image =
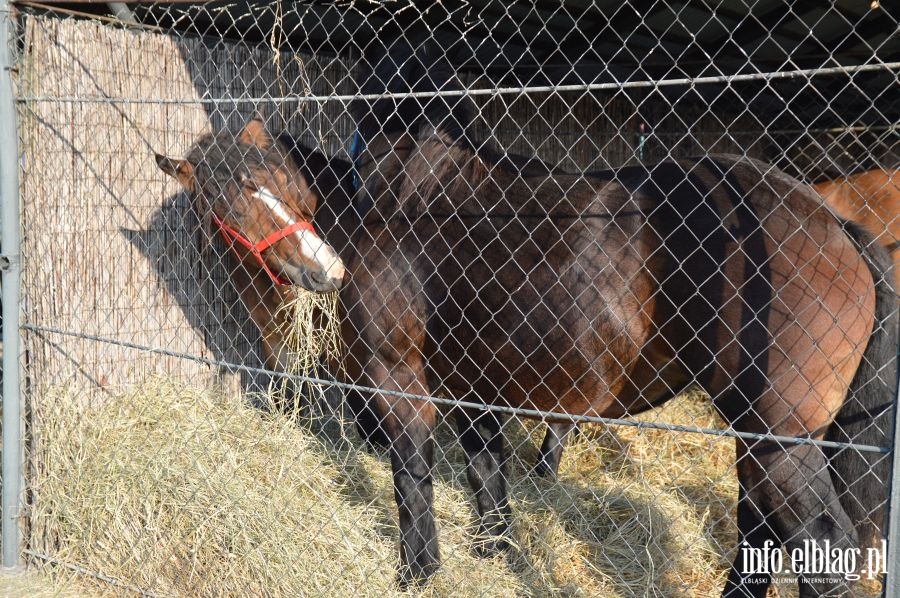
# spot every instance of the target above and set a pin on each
(311, 245)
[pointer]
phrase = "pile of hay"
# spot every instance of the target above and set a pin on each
(183, 492)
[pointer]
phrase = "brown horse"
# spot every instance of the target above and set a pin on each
(871, 198)
(606, 296)
(257, 197)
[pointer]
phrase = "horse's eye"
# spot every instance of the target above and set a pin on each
(247, 182)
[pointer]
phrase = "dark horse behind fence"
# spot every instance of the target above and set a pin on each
(608, 295)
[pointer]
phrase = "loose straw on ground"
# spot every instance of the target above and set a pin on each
(186, 492)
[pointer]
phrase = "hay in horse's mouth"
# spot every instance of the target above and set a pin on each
(310, 331)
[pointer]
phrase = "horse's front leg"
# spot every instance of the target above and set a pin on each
(482, 440)
(408, 424)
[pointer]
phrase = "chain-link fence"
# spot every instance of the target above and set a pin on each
(464, 299)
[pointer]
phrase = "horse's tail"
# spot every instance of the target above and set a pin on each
(867, 415)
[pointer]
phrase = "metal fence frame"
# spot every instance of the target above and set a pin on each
(13, 471)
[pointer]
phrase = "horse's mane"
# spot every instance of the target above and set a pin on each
(411, 67)
(445, 171)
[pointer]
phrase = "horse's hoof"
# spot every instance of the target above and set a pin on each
(544, 471)
(412, 576)
(490, 547)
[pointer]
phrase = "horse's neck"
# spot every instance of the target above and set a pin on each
(263, 299)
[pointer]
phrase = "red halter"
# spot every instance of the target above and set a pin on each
(231, 236)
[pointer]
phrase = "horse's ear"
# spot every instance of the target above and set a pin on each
(254, 133)
(181, 170)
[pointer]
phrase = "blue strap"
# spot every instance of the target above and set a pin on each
(357, 145)
(362, 205)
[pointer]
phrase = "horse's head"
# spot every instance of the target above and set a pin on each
(388, 126)
(260, 201)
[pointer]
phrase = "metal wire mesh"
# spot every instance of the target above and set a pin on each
(546, 220)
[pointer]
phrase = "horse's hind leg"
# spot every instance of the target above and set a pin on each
(552, 449)
(482, 439)
(790, 488)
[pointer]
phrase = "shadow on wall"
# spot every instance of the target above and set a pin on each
(193, 271)
(247, 81)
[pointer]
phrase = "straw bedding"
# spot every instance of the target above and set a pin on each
(184, 491)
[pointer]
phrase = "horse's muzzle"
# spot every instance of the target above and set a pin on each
(323, 282)
(317, 281)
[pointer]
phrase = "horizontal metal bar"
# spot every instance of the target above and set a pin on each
(650, 133)
(346, 98)
(529, 413)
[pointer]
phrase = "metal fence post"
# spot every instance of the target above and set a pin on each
(892, 558)
(10, 266)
